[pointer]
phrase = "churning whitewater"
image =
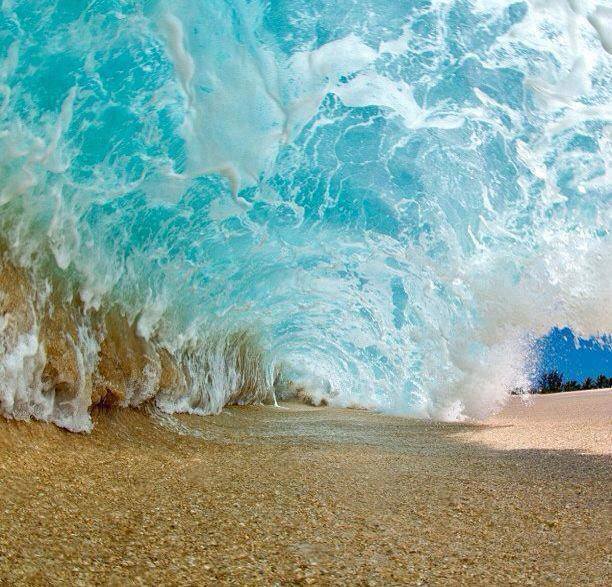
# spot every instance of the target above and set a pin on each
(367, 202)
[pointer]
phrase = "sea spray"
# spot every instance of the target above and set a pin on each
(382, 203)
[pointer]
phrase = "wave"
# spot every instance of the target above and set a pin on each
(58, 360)
(357, 202)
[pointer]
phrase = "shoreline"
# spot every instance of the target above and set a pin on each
(318, 496)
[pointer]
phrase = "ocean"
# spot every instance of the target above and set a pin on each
(366, 203)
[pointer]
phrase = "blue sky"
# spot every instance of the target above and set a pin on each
(574, 359)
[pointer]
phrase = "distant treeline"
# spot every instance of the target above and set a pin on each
(553, 382)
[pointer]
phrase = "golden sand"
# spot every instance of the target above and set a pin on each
(311, 496)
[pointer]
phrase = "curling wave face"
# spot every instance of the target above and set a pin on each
(368, 202)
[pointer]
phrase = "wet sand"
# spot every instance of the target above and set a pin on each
(311, 496)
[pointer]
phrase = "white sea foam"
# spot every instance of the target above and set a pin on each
(385, 208)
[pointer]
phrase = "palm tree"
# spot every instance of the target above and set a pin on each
(588, 383)
(550, 382)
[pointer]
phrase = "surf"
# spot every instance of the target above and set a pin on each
(213, 203)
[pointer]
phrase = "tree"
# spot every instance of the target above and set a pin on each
(571, 385)
(550, 382)
(588, 383)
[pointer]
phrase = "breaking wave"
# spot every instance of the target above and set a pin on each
(360, 202)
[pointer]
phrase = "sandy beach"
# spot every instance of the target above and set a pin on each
(321, 496)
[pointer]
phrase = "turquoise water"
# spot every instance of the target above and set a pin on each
(393, 198)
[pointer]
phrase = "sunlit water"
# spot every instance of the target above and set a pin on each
(384, 201)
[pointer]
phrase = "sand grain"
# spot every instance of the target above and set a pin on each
(309, 496)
